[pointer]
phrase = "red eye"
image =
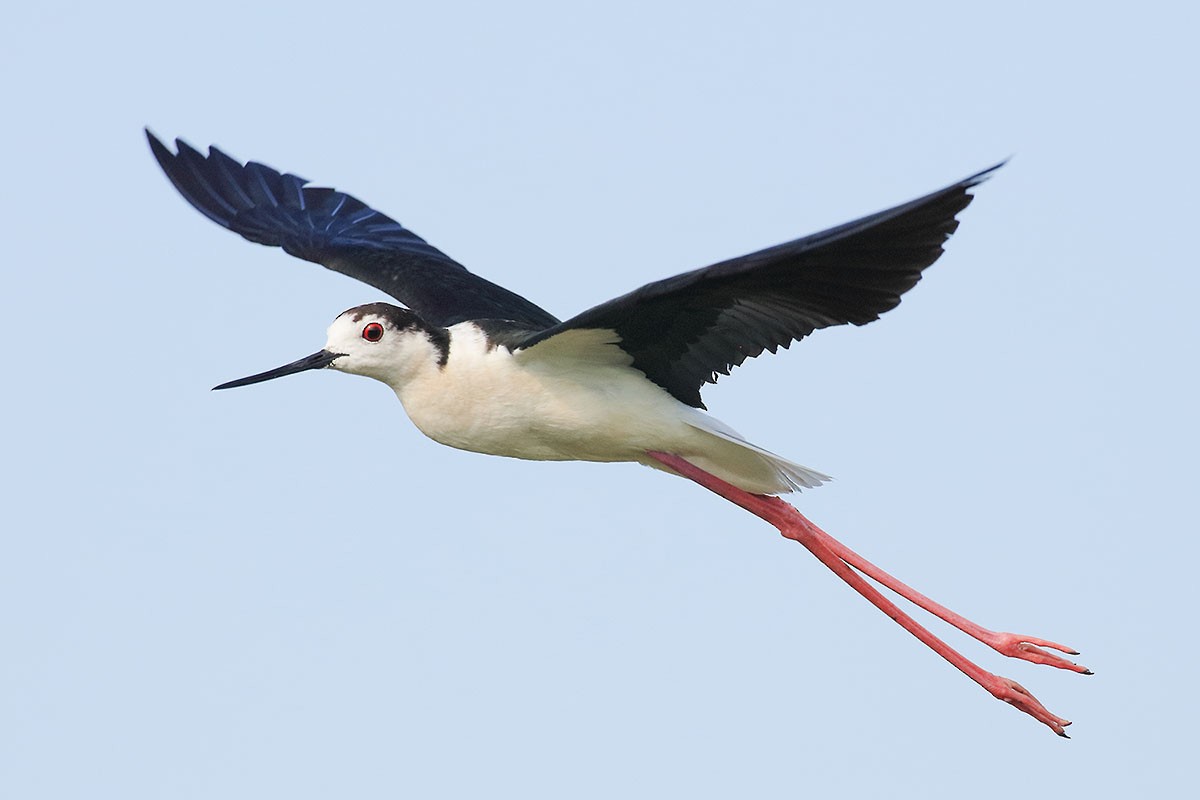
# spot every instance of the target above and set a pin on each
(373, 332)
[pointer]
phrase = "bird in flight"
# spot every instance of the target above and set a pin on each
(481, 368)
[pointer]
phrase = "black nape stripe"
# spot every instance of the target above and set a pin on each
(440, 337)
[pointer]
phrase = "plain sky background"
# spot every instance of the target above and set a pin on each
(286, 591)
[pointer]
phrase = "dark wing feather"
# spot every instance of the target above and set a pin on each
(339, 232)
(684, 330)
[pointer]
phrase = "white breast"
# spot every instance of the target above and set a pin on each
(571, 397)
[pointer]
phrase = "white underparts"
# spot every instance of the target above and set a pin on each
(573, 397)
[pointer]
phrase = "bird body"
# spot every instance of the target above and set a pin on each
(481, 368)
(573, 397)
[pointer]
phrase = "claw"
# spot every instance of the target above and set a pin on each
(1029, 648)
(1019, 697)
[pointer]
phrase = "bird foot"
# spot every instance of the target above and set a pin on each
(1019, 697)
(1029, 648)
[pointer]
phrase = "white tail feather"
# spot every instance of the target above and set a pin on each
(796, 475)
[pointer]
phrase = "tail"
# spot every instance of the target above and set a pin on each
(798, 476)
(747, 465)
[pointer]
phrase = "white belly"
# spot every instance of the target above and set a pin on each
(574, 397)
(544, 410)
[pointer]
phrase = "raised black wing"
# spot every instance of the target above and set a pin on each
(339, 232)
(684, 330)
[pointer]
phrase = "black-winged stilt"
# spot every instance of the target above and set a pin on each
(480, 368)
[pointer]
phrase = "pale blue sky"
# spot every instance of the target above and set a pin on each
(286, 591)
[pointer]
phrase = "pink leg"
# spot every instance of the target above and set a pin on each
(840, 559)
(1009, 644)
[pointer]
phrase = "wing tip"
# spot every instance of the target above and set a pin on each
(182, 148)
(161, 152)
(984, 175)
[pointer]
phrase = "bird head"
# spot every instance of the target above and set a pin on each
(379, 340)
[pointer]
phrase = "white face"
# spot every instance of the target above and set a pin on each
(372, 344)
(381, 341)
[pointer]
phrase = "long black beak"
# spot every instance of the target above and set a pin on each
(318, 360)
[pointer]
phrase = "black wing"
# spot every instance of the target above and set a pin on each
(339, 232)
(684, 330)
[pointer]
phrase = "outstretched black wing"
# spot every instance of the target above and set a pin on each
(339, 232)
(684, 330)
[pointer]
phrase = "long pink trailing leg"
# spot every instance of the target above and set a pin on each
(839, 558)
